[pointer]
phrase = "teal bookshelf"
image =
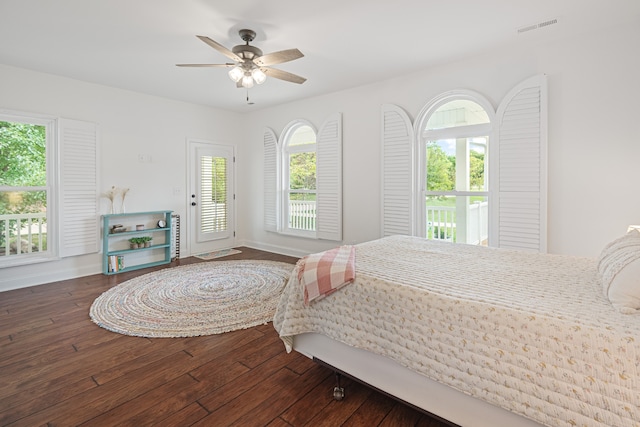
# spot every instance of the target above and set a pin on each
(117, 254)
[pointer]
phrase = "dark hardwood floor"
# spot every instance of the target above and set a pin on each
(57, 368)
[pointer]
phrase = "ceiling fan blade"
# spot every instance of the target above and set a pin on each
(223, 50)
(228, 64)
(278, 57)
(283, 75)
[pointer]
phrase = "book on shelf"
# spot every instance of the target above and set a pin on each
(116, 263)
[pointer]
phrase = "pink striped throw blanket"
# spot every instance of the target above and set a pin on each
(323, 273)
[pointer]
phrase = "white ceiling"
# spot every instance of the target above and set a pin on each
(135, 44)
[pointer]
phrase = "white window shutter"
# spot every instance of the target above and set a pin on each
(521, 174)
(397, 171)
(329, 179)
(78, 188)
(270, 180)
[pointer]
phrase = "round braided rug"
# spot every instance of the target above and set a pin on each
(192, 300)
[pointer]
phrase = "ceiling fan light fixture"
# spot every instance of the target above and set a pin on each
(250, 66)
(258, 75)
(236, 73)
(247, 80)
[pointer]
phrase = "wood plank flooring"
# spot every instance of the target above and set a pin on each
(57, 368)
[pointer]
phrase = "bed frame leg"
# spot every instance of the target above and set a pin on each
(338, 391)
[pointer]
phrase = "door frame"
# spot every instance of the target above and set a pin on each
(192, 144)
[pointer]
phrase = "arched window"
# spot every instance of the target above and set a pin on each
(303, 179)
(453, 168)
(299, 177)
(437, 177)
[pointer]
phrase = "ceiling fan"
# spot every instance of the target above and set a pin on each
(250, 65)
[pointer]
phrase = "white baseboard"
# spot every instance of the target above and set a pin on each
(41, 276)
(273, 248)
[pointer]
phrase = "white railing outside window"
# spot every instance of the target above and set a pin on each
(441, 223)
(302, 215)
(23, 233)
(478, 226)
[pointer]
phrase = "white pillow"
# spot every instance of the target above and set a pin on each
(619, 269)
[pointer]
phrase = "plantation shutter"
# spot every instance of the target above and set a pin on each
(78, 188)
(270, 180)
(329, 179)
(521, 202)
(397, 172)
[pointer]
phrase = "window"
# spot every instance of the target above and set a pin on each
(26, 146)
(303, 180)
(299, 178)
(48, 188)
(466, 174)
(454, 200)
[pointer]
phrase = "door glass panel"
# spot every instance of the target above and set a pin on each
(213, 204)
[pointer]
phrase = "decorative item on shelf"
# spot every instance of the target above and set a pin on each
(123, 192)
(111, 195)
(137, 242)
(118, 228)
(140, 242)
(162, 223)
(134, 242)
(140, 227)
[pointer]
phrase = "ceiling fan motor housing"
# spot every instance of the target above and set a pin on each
(247, 35)
(246, 51)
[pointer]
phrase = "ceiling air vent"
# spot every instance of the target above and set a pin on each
(537, 26)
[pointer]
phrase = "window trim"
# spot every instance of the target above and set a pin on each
(285, 152)
(51, 187)
(423, 135)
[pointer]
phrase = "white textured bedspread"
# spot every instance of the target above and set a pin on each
(532, 333)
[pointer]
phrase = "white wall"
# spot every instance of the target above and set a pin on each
(130, 124)
(593, 138)
(593, 141)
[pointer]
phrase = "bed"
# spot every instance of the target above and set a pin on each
(482, 336)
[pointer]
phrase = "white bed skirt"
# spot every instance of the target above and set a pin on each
(415, 389)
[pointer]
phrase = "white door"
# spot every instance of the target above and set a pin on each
(211, 197)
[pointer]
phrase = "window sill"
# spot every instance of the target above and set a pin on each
(19, 260)
(296, 233)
